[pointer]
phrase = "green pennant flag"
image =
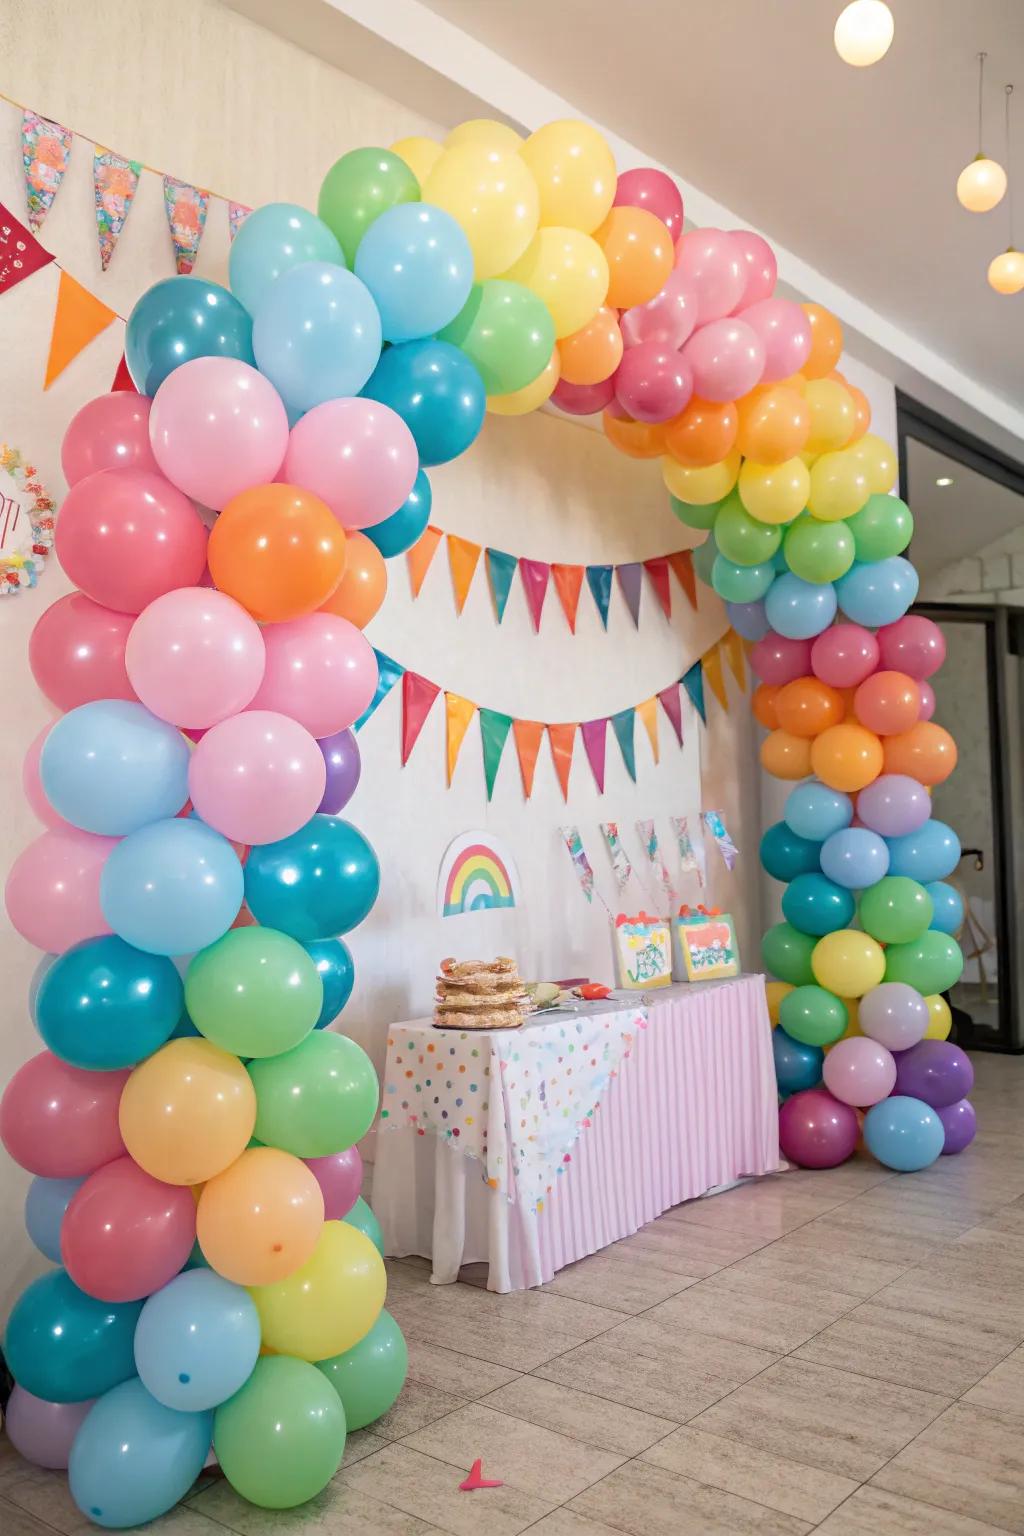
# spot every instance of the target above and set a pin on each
(622, 725)
(494, 729)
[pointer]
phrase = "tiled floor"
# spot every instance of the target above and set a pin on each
(840, 1352)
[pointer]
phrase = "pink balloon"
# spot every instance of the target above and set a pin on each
(340, 1177)
(647, 187)
(257, 777)
(53, 889)
(914, 645)
(760, 268)
(857, 1071)
(817, 1130)
(727, 358)
(126, 1234)
(927, 700)
(583, 399)
(356, 455)
(32, 785)
(777, 659)
(60, 1121)
(218, 427)
(785, 334)
(43, 1432)
(895, 1015)
(76, 652)
(844, 655)
(321, 671)
(715, 268)
(195, 656)
(126, 536)
(110, 432)
(668, 318)
(653, 382)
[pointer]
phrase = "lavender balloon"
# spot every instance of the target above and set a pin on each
(894, 805)
(959, 1123)
(748, 619)
(934, 1071)
(341, 754)
(42, 1432)
(894, 1014)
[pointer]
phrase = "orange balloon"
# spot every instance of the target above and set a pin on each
(785, 756)
(826, 342)
(277, 550)
(862, 411)
(639, 251)
(261, 1218)
(187, 1112)
(763, 704)
(888, 703)
(927, 753)
(364, 585)
(703, 434)
(806, 707)
(592, 354)
(638, 439)
(846, 757)
(774, 424)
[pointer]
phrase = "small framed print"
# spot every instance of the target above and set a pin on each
(644, 951)
(708, 944)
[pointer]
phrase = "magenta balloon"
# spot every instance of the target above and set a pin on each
(785, 334)
(320, 670)
(894, 1014)
(816, 1130)
(858, 1071)
(583, 399)
(715, 267)
(777, 659)
(669, 317)
(927, 701)
(126, 1234)
(356, 455)
(257, 777)
(340, 1177)
(43, 1432)
(653, 382)
(959, 1123)
(760, 268)
(894, 805)
(76, 652)
(844, 655)
(60, 1121)
(727, 358)
(218, 427)
(935, 1071)
(914, 645)
(32, 785)
(195, 656)
(341, 757)
(647, 187)
(110, 432)
(53, 889)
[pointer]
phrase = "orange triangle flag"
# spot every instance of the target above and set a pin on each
(458, 713)
(568, 580)
(648, 712)
(78, 319)
(736, 657)
(420, 555)
(527, 734)
(562, 738)
(681, 562)
(711, 662)
(463, 555)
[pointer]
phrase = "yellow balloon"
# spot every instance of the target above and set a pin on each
(775, 991)
(569, 271)
(419, 154)
(848, 963)
(940, 1020)
(494, 198)
(774, 493)
(575, 173)
(839, 486)
(485, 133)
(701, 487)
(833, 415)
(187, 1112)
(261, 1218)
(879, 462)
(532, 395)
(330, 1303)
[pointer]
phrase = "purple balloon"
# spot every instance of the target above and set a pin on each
(341, 754)
(894, 805)
(748, 619)
(816, 1130)
(42, 1432)
(935, 1071)
(340, 1177)
(959, 1123)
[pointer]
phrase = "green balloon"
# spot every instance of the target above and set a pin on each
(883, 527)
(255, 992)
(362, 1217)
(280, 1439)
(741, 583)
(317, 1099)
(896, 910)
(506, 331)
(704, 557)
(813, 1016)
(369, 1376)
(817, 551)
(933, 963)
(358, 188)
(694, 517)
(744, 539)
(787, 954)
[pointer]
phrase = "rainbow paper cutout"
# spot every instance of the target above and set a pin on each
(476, 875)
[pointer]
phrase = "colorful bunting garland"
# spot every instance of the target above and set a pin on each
(186, 218)
(20, 251)
(45, 152)
(115, 180)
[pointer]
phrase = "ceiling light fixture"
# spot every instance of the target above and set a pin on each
(1006, 271)
(981, 183)
(863, 32)
(944, 480)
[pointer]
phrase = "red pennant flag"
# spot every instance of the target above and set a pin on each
(568, 581)
(122, 378)
(534, 574)
(418, 694)
(682, 563)
(673, 707)
(657, 570)
(20, 251)
(562, 738)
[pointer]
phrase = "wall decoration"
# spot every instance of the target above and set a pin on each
(621, 867)
(708, 943)
(115, 180)
(20, 251)
(689, 861)
(45, 152)
(237, 215)
(27, 517)
(186, 218)
(644, 951)
(78, 319)
(478, 872)
(652, 852)
(715, 824)
(580, 863)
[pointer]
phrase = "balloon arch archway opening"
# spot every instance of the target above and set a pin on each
(191, 1124)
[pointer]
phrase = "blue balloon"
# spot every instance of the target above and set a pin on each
(930, 853)
(316, 884)
(112, 767)
(877, 591)
(855, 858)
(317, 335)
(903, 1133)
(197, 1341)
(741, 583)
(814, 811)
(172, 888)
(272, 240)
(416, 261)
(401, 530)
(438, 393)
(106, 1005)
(797, 1066)
(748, 619)
(45, 1204)
(133, 1459)
(65, 1346)
(817, 906)
(178, 320)
(338, 974)
(799, 609)
(784, 855)
(947, 906)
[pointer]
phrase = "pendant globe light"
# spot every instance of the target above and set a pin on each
(863, 32)
(1006, 271)
(982, 182)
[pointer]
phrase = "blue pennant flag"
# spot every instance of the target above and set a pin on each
(599, 580)
(622, 725)
(500, 570)
(693, 682)
(388, 673)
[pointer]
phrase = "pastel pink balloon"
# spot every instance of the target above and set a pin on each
(760, 269)
(727, 359)
(668, 318)
(844, 655)
(894, 1015)
(715, 268)
(60, 1121)
(356, 455)
(126, 1234)
(647, 187)
(914, 645)
(321, 671)
(110, 432)
(340, 1177)
(857, 1071)
(583, 399)
(927, 700)
(785, 333)
(217, 428)
(53, 889)
(43, 1432)
(76, 652)
(32, 787)
(777, 659)
(195, 656)
(257, 777)
(653, 382)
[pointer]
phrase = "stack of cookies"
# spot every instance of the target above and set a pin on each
(478, 994)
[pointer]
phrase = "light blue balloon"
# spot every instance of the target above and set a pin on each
(403, 528)
(316, 335)
(903, 1133)
(797, 1066)
(112, 767)
(947, 906)
(814, 811)
(197, 1341)
(416, 261)
(748, 619)
(133, 1459)
(741, 583)
(799, 609)
(45, 1204)
(855, 858)
(437, 391)
(271, 241)
(930, 853)
(878, 591)
(172, 888)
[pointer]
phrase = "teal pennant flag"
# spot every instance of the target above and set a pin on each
(622, 725)
(500, 570)
(693, 682)
(388, 673)
(599, 580)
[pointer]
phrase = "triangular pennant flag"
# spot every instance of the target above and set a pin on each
(500, 570)
(672, 705)
(20, 251)
(494, 729)
(682, 563)
(388, 673)
(711, 662)
(527, 734)
(186, 218)
(562, 738)
(78, 319)
(631, 584)
(648, 712)
(736, 656)
(418, 694)
(599, 580)
(568, 580)
(45, 151)
(463, 556)
(622, 725)
(419, 556)
(534, 575)
(458, 713)
(594, 733)
(657, 570)
(122, 378)
(693, 681)
(237, 215)
(114, 181)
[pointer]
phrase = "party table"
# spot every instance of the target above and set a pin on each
(530, 1148)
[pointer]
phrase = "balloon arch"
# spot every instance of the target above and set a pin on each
(191, 1124)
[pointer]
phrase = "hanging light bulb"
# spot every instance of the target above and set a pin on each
(863, 32)
(1006, 271)
(982, 182)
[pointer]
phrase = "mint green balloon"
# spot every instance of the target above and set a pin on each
(281, 1438)
(704, 557)
(358, 188)
(817, 551)
(255, 992)
(317, 1099)
(787, 954)
(743, 539)
(694, 517)
(507, 331)
(361, 1216)
(896, 910)
(933, 963)
(741, 583)
(812, 1015)
(369, 1376)
(884, 526)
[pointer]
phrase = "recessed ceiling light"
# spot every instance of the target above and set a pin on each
(944, 480)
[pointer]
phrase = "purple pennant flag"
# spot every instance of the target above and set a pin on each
(594, 732)
(534, 575)
(672, 705)
(631, 578)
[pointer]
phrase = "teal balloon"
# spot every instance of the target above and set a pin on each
(704, 557)
(903, 1133)
(369, 1376)
(416, 261)
(741, 583)
(45, 1204)
(64, 1346)
(105, 1005)
(197, 1341)
(317, 335)
(180, 319)
(337, 973)
(438, 393)
(316, 884)
(271, 241)
(797, 1066)
(785, 855)
(816, 905)
(362, 1217)
(947, 906)
(403, 528)
(133, 1459)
